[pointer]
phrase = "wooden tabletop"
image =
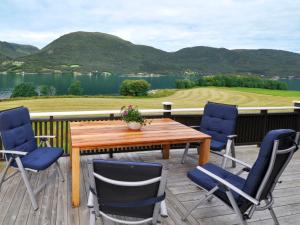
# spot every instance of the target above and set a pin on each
(114, 133)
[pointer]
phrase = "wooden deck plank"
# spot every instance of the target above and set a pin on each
(9, 196)
(47, 207)
(55, 202)
(14, 207)
(34, 215)
(73, 213)
(25, 205)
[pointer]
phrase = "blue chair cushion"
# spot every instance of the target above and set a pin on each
(41, 158)
(217, 145)
(219, 121)
(209, 183)
(16, 130)
(110, 195)
(262, 162)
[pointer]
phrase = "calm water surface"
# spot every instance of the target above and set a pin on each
(96, 84)
(92, 84)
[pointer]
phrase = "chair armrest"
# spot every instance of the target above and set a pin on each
(13, 152)
(237, 160)
(45, 136)
(232, 136)
(228, 185)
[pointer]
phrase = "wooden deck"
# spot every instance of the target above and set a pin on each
(55, 202)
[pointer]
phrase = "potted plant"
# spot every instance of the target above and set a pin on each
(131, 115)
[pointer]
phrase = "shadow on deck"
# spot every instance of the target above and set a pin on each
(55, 203)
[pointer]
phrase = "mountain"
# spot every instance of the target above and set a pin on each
(91, 51)
(3, 57)
(12, 50)
(94, 51)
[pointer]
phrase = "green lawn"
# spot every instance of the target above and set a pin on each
(189, 98)
(270, 92)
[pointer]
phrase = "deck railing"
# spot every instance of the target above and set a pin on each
(253, 122)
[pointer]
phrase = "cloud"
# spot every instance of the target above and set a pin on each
(168, 24)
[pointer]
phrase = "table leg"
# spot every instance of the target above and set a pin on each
(166, 151)
(204, 151)
(70, 157)
(75, 177)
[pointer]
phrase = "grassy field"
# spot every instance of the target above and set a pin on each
(282, 93)
(195, 97)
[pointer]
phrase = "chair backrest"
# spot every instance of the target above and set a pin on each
(219, 120)
(111, 197)
(16, 130)
(276, 150)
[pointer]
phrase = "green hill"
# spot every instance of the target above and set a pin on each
(94, 51)
(12, 50)
(3, 58)
(82, 51)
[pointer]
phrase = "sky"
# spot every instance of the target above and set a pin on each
(165, 24)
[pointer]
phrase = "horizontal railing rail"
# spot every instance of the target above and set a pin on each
(105, 112)
(252, 125)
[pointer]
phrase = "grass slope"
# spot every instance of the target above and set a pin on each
(282, 93)
(190, 98)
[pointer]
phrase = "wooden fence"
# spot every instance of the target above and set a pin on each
(251, 126)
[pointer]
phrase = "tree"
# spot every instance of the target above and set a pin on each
(24, 90)
(75, 88)
(47, 90)
(181, 84)
(134, 87)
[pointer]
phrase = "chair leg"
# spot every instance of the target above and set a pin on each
(187, 146)
(27, 184)
(92, 217)
(4, 172)
(163, 209)
(195, 206)
(236, 208)
(276, 222)
(232, 148)
(208, 195)
(210, 198)
(60, 174)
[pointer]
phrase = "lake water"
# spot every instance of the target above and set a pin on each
(96, 84)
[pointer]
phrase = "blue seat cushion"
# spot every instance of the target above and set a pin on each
(41, 158)
(217, 145)
(219, 121)
(209, 183)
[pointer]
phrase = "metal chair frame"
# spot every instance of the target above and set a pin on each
(159, 208)
(256, 202)
(230, 149)
(16, 155)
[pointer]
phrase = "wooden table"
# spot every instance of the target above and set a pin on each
(114, 134)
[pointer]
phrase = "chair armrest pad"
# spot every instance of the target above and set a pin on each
(45, 136)
(13, 152)
(237, 160)
(228, 185)
(231, 136)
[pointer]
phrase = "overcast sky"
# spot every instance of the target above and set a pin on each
(165, 24)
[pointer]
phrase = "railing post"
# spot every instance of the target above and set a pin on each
(264, 112)
(297, 104)
(111, 116)
(51, 130)
(167, 106)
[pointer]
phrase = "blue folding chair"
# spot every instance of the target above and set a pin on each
(130, 189)
(245, 196)
(21, 150)
(218, 121)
